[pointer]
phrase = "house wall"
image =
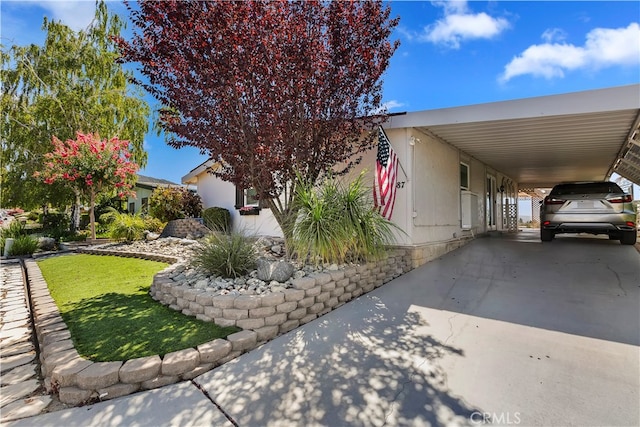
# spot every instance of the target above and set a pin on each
(140, 194)
(216, 192)
(428, 207)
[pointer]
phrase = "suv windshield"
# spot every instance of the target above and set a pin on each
(586, 188)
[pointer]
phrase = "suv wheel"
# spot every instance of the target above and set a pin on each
(629, 237)
(546, 235)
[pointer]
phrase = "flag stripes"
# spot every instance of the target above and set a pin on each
(384, 187)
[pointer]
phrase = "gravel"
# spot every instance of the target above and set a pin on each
(184, 274)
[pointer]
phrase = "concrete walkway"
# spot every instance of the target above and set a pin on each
(19, 380)
(502, 331)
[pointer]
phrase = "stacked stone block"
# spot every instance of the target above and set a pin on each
(186, 227)
(278, 312)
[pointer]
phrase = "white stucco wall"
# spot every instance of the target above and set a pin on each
(217, 193)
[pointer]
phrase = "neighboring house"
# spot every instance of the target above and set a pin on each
(461, 168)
(143, 189)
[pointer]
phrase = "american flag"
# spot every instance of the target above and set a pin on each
(384, 186)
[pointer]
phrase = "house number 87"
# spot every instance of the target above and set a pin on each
(400, 184)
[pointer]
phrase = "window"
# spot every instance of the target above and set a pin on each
(246, 198)
(464, 176)
(132, 207)
(145, 205)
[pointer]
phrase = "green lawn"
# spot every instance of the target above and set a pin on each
(105, 303)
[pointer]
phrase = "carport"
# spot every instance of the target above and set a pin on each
(539, 142)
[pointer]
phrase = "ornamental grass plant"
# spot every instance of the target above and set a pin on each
(226, 255)
(336, 222)
(122, 226)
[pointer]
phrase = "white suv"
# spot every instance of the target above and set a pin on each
(589, 207)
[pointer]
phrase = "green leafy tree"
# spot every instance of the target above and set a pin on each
(71, 83)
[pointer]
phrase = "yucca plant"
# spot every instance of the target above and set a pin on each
(370, 230)
(318, 231)
(336, 222)
(227, 255)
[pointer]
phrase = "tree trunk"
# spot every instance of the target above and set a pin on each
(92, 214)
(75, 214)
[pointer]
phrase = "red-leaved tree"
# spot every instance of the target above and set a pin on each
(90, 166)
(267, 88)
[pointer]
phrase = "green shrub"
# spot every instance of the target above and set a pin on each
(15, 229)
(318, 231)
(337, 222)
(33, 216)
(217, 219)
(53, 220)
(171, 203)
(231, 255)
(123, 226)
(23, 245)
(153, 224)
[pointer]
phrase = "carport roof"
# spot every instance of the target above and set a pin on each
(580, 136)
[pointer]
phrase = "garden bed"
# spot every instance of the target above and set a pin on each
(78, 380)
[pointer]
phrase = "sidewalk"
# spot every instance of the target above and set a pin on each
(20, 387)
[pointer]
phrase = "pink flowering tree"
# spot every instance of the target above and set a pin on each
(90, 166)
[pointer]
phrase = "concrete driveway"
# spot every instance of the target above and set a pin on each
(505, 331)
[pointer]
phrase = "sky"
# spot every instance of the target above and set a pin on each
(452, 53)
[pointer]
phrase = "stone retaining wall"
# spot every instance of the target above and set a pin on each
(275, 313)
(184, 228)
(77, 380)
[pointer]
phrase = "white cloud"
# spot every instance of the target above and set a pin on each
(553, 34)
(458, 25)
(604, 47)
(452, 6)
(387, 106)
(390, 105)
(77, 14)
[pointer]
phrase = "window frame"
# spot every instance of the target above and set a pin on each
(468, 176)
(243, 198)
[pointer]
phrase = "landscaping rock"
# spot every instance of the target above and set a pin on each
(149, 235)
(47, 243)
(269, 270)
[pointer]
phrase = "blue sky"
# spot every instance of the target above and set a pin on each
(451, 53)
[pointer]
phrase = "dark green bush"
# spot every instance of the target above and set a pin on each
(217, 219)
(54, 220)
(227, 255)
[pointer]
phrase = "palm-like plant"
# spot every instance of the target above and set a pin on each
(336, 222)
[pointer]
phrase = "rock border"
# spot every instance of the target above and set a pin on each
(77, 380)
